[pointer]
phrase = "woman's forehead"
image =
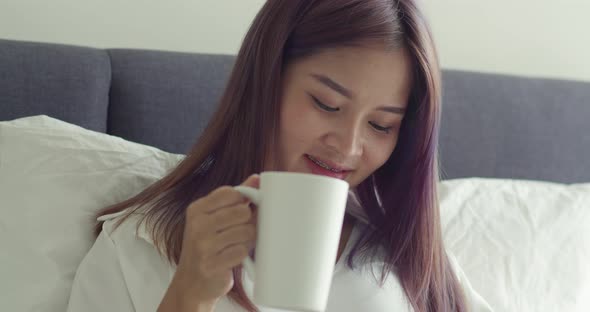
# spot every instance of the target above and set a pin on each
(359, 72)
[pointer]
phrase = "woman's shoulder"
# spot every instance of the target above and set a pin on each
(128, 232)
(127, 225)
(145, 270)
(474, 300)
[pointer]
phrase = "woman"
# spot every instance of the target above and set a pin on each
(347, 88)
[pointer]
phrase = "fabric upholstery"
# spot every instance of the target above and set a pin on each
(492, 125)
(67, 82)
(515, 127)
(164, 99)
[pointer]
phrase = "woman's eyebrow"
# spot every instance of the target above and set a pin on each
(392, 109)
(330, 83)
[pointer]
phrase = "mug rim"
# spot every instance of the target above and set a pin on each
(304, 175)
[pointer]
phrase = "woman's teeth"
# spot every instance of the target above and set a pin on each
(321, 164)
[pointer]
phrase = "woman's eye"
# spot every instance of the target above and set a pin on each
(323, 106)
(380, 128)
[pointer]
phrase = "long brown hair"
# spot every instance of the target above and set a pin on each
(399, 199)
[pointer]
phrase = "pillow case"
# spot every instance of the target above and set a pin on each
(524, 245)
(54, 178)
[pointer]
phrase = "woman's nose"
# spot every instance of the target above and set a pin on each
(348, 141)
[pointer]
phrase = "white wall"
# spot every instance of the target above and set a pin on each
(530, 37)
(527, 37)
(215, 26)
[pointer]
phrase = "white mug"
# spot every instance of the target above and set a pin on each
(299, 225)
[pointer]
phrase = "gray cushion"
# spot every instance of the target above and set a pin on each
(164, 99)
(66, 82)
(515, 127)
(492, 125)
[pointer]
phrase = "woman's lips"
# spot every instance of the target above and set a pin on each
(319, 170)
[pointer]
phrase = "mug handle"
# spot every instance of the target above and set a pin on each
(254, 195)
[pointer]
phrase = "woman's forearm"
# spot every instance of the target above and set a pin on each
(173, 301)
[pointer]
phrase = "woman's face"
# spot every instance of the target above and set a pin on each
(341, 111)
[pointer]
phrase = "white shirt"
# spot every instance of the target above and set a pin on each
(123, 271)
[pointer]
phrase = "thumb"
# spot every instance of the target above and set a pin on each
(252, 181)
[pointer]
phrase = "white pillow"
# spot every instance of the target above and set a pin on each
(524, 245)
(54, 177)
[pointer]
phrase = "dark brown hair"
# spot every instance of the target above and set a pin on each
(399, 199)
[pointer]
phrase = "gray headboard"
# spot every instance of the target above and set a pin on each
(493, 125)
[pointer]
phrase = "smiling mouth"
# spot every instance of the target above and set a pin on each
(324, 165)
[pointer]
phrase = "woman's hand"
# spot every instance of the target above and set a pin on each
(219, 232)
